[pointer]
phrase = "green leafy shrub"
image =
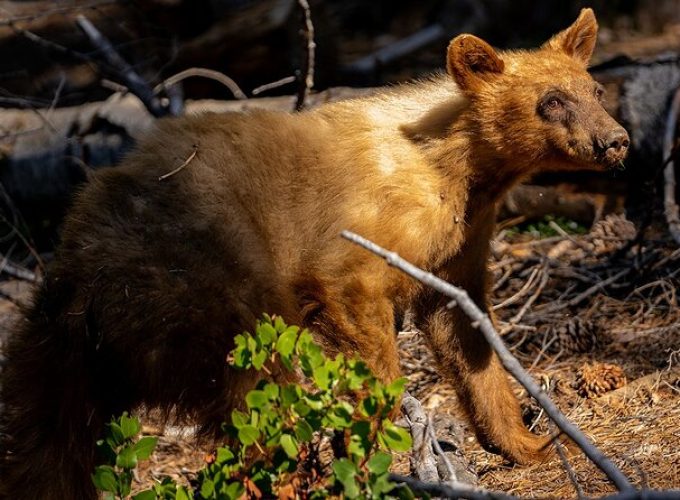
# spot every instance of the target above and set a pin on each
(123, 449)
(277, 446)
(543, 229)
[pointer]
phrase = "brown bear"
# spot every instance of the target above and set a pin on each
(160, 266)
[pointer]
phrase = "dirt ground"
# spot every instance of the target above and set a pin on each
(594, 318)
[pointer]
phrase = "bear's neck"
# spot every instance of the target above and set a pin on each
(490, 174)
(462, 153)
(435, 117)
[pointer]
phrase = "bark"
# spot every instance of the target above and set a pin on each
(45, 153)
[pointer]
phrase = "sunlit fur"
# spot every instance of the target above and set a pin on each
(154, 277)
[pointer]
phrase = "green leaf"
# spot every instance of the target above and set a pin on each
(369, 406)
(144, 447)
(251, 343)
(359, 443)
(314, 401)
(344, 469)
(290, 394)
(379, 463)
(286, 342)
(234, 490)
(381, 486)
(116, 434)
(182, 494)
(396, 388)
(127, 458)
(289, 445)
(272, 391)
(124, 483)
(259, 359)
(266, 334)
(304, 431)
(357, 447)
(345, 472)
(104, 479)
(256, 399)
(315, 356)
(395, 438)
(321, 376)
(279, 324)
(340, 415)
(224, 455)
(207, 489)
(145, 495)
(239, 419)
(248, 434)
(304, 341)
(302, 408)
(129, 426)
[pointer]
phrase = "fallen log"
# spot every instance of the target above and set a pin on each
(45, 153)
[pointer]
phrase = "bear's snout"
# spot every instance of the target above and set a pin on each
(612, 148)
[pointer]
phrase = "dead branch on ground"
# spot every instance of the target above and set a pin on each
(15, 270)
(447, 491)
(461, 299)
(422, 459)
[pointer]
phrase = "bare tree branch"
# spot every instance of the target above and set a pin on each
(451, 472)
(132, 80)
(8, 267)
(569, 469)
(447, 491)
(423, 462)
(273, 85)
(483, 322)
(203, 73)
(307, 75)
(57, 10)
(670, 151)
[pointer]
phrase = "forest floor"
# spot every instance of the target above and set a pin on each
(594, 318)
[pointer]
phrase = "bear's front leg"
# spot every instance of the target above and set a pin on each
(465, 357)
(482, 385)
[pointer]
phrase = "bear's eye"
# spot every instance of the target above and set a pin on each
(553, 103)
(552, 107)
(599, 93)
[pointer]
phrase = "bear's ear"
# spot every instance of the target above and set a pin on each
(579, 39)
(471, 61)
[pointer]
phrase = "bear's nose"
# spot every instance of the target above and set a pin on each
(617, 140)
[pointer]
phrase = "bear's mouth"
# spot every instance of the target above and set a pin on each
(612, 159)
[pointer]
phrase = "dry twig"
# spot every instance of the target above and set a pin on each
(137, 85)
(587, 293)
(202, 73)
(307, 75)
(423, 462)
(478, 317)
(670, 152)
(273, 85)
(184, 164)
(15, 270)
(448, 491)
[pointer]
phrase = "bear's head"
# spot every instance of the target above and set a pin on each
(540, 108)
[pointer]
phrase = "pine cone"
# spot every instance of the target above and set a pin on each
(577, 336)
(595, 379)
(611, 233)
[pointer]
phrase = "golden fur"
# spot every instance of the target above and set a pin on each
(153, 277)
